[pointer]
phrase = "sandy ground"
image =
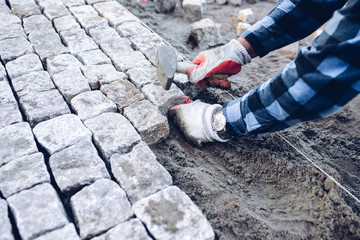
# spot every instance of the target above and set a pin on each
(261, 187)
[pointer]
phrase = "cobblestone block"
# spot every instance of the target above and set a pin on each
(16, 141)
(12, 31)
(130, 230)
(112, 133)
(170, 214)
(235, 2)
(55, 11)
(129, 29)
(152, 126)
(14, 47)
(99, 207)
(7, 19)
(23, 65)
(192, 10)
(40, 37)
(101, 74)
(242, 27)
(46, 3)
(140, 76)
(67, 22)
(205, 33)
(147, 44)
(72, 3)
(114, 12)
(36, 23)
(4, 8)
(37, 210)
(41, 106)
(165, 6)
(62, 62)
(25, 9)
(122, 93)
(68, 232)
(77, 41)
(163, 99)
(246, 15)
(61, 132)
(91, 104)
(117, 47)
(189, 89)
(138, 172)
(93, 57)
(9, 109)
(71, 83)
(103, 34)
(2, 73)
(76, 166)
(23, 173)
(130, 60)
(88, 17)
(5, 225)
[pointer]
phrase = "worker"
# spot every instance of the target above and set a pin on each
(320, 80)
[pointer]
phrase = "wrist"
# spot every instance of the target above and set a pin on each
(247, 46)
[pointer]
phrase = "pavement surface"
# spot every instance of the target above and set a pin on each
(79, 106)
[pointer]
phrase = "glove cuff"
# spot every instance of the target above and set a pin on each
(240, 51)
(208, 122)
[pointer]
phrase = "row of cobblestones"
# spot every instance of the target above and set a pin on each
(79, 105)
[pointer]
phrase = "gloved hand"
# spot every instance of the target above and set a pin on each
(195, 120)
(226, 59)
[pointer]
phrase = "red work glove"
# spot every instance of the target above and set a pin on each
(226, 59)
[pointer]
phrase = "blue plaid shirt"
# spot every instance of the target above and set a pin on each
(318, 82)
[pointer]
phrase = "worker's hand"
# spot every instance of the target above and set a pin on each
(195, 120)
(226, 59)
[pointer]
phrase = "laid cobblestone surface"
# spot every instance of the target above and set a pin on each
(79, 104)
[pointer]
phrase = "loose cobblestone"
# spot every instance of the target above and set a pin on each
(99, 207)
(5, 225)
(62, 62)
(102, 74)
(9, 109)
(23, 173)
(76, 166)
(93, 57)
(37, 211)
(14, 47)
(23, 65)
(68, 232)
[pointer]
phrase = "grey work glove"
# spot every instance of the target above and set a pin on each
(226, 59)
(195, 120)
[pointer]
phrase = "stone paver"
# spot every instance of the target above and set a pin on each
(23, 65)
(78, 41)
(91, 104)
(47, 3)
(170, 214)
(25, 9)
(37, 23)
(58, 133)
(7, 19)
(33, 82)
(37, 211)
(130, 60)
(9, 109)
(93, 57)
(116, 47)
(11, 31)
(99, 207)
(88, 17)
(23, 173)
(5, 225)
(103, 34)
(102, 74)
(72, 3)
(66, 22)
(14, 47)
(129, 230)
(16, 141)
(152, 126)
(68, 232)
(113, 133)
(77, 166)
(62, 62)
(2, 73)
(55, 11)
(140, 76)
(147, 43)
(139, 173)
(129, 29)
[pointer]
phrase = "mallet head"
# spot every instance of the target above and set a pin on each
(166, 63)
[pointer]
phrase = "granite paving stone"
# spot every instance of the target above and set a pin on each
(99, 207)
(161, 98)
(116, 47)
(46, 3)
(23, 65)
(88, 17)
(129, 230)
(77, 166)
(4, 8)
(12, 31)
(152, 126)
(37, 211)
(12, 48)
(103, 34)
(170, 214)
(61, 62)
(40, 37)
(9, 109)
(78, 41)
(147, 43)
(91, 104)
(26, 10)
(138, 172)
(16, 141)
(114, 12)
(23, 173)
(72, 3)
(112, 133)
(36, 23)
(90, 2)
(101, 74)
(140, 76)
(2, 73)
(7, 19)
(68, 232)
(55, 11)
(93, 57)
(33, 82)
(61, 132)
(71, 83)
(189, 89)
(67, 22)
(41, 106)
(129, 29)
(122, 92)
(124, 62)
(5, 224)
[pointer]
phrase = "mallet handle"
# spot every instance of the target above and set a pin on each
(184, 67)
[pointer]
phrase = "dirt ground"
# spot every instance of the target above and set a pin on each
(261, 187)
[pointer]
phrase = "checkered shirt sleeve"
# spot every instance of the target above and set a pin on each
(318, 82)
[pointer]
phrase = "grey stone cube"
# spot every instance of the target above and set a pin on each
(129, 29)
(72, 3)
(62, 62)
(61, 132)
(116, 48)
(33, 82)
(66, 22)
(23, 65)
(112, 133)
(139, 173)
(77, 166)
(103, 34)
(88, 17)
(99, 207)
(7, 19)
(37, 23)
(140, 76)
(56, 11)
(102, 74)
(205, 33)
(93, 57)
(68, 232)
(37, 210)
(9, 109)
(23, 173)
(165, 6)
(78, 41)
(192, 10)
(130, 60)
(14, 47)
(26, 10)
(5, 224)
(147, 43)
(2, 73)
(12, 31)
(46, 3)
